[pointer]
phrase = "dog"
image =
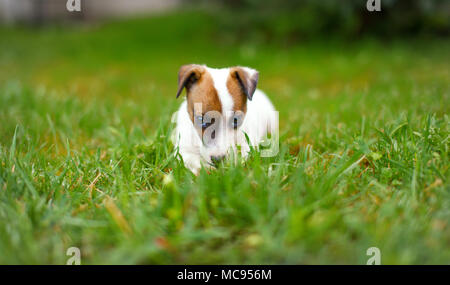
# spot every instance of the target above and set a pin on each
(223, 110)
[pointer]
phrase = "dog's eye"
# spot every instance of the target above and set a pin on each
(205, 125)
(236, 121)
(200, 121)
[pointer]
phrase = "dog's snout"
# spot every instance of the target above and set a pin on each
(217, 158)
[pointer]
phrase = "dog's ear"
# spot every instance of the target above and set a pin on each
(188, 75)
(247, 79)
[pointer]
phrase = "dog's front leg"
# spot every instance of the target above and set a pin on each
(192, 161)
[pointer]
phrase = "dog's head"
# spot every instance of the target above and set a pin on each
(217, 104)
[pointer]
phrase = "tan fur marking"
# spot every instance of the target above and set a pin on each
(236, 92)
(203, 92)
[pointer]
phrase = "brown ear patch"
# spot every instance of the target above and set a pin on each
(236, 91)
(246, 78)
(188, 75)
(203, 92)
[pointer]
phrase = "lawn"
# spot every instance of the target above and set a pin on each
(86, 159)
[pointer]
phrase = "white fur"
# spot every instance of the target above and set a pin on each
(260, 116)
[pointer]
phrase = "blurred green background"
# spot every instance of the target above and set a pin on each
(290, 21)
(85, 107)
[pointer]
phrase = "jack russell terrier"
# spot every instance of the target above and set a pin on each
(223, 110)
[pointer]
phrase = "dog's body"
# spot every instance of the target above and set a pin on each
(221, 105)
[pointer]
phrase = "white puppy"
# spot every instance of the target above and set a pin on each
(221, 106)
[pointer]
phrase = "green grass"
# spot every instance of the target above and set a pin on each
(86, 160)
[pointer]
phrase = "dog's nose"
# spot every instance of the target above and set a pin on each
(217, 158)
